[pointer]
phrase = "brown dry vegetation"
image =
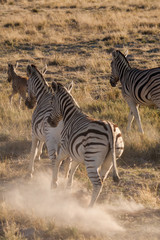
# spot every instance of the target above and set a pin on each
(75, 39)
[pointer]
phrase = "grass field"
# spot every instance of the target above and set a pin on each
(75, 38)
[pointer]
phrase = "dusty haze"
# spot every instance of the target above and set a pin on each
(67, 208)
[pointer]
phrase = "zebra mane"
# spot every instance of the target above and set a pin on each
(122, 56)
(41, 77)
(63, 88)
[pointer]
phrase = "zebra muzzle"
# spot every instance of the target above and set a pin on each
(28, 104)
(51, 122)
(113, 84)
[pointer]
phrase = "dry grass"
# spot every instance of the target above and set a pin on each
(75, 39)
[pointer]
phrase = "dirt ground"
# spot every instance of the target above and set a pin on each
(75, 39)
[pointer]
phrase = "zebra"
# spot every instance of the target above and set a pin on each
(139, 87)
(19, 84)
(95, 143)
(40, 94)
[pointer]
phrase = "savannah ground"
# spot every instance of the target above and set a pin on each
(75, 39)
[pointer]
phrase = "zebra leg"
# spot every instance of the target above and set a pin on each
(74, 166)
(34, 149)
(56, 160)
(113, 150)
(106, 167)
(52, 152)
(66, 166)
(96, 182)
(55, 171)
(115, 171)
(39, 152)
(134, 109)
(130, 120)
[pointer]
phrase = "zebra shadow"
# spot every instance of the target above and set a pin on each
(13, 149)
(137, 157)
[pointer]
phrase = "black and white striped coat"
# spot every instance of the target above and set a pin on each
(95, 143)
(40, 94)
(139, 87)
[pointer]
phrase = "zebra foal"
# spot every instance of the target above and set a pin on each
(95, 143)
(40, 94)
(139, 87)
(19, 84)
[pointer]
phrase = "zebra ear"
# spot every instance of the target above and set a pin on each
(114, 55)
(54, 86)
(16, 65)
(70, 86)
(126, 53)
(29, 70)
(44, 70)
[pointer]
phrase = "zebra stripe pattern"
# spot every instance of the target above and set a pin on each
(40, 94)
(139, 87)
(95, 143)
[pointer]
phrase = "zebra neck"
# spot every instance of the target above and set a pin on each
(73, 123)
(123, 68)
(69, 114)
(41, 94)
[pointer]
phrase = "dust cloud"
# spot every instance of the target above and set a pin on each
(66, 208)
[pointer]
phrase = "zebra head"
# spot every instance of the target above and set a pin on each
(31, 99)
(55, 115)
(57, 105)
(119, 65)
(114, 74)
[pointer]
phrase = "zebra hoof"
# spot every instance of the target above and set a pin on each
(38, 159)
(53, 185)
(116, 179)
(91, 205)
(29, 176)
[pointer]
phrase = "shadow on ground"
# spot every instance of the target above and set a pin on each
(133, 157)
(13, 149)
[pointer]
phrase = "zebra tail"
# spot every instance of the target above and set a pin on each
(113, 151)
